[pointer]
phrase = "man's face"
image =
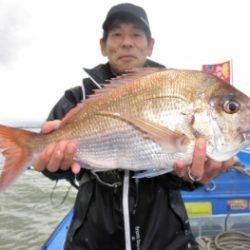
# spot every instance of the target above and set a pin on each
(126, 47)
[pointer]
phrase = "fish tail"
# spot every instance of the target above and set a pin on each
(14, 145)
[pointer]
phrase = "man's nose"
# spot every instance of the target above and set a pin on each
(127, 41)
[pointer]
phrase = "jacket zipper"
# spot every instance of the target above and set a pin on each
(125, 204)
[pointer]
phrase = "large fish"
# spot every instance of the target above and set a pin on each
(144, 120)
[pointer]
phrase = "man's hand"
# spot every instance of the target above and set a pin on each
(56, 155)
(202, 169)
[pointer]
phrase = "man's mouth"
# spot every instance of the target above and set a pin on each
(126, 57)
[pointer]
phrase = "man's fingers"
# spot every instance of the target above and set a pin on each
(202, 169)
(55, 161)
(56, 156)
(41, 163)
(180, 168)
(60, 158)
(49, 126)
(199, 158)
(69, 154)
(196, 170)
(75, 168)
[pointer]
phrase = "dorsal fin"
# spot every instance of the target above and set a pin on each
(135, 74)
(129, 76)
(113, 83)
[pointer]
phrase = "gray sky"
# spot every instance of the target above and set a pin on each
(45, 43)
(12, 18)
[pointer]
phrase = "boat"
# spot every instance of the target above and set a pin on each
(57, 238)
(222, 205)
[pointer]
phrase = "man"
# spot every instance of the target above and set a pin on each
(112, 210)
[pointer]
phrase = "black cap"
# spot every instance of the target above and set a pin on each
(129, 10)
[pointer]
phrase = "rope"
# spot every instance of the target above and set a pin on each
(56, 205)
(241, 170)
(230, 240)
(225, 241)
(240, 167)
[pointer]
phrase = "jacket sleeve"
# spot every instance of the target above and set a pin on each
(68, 101)
(171, 181)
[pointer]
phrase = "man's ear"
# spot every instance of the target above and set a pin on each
(151, 46)
(103, 47)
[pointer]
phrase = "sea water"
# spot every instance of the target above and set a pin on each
(31, 209)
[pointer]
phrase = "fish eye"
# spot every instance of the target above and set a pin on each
(231, 106)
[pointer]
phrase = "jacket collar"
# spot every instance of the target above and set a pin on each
(103, 72)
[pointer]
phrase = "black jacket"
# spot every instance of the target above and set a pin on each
(156, 212)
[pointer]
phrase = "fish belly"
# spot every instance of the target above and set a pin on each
(127, 149)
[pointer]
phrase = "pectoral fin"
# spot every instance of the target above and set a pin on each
(171, 141)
